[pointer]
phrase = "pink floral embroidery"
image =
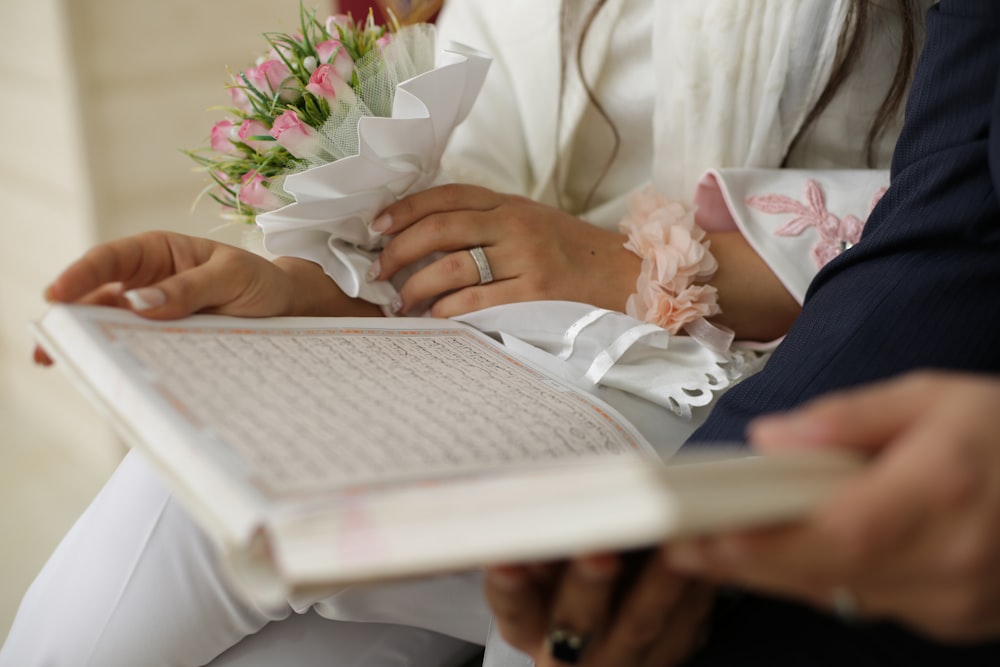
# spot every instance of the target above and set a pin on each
(835, 234)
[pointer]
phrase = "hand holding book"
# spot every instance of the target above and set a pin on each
(165, 275)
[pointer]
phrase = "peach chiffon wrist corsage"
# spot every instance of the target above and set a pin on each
(676, 262)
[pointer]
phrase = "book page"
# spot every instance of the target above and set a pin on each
(314, 409)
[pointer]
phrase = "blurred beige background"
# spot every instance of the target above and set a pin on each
(98, 96)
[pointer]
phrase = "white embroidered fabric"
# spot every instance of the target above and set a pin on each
(846, 193)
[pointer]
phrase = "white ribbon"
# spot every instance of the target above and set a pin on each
(612, 353)
(575, 329)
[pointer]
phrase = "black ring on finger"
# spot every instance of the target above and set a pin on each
(565, 645)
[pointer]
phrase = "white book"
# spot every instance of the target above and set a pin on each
(324, 451)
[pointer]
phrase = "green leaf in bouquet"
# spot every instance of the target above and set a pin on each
(314, 111)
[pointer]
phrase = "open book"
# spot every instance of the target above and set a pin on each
(322, 451)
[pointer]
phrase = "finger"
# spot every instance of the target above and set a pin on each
(906, 495)
(857, 533)
(642, 616)
(520, 606)
(687, 627)
(216, 278)
(944, 612)
(478, 297)
(909, 521)
(581, 605)
(862, 419)
(135, 260)
(451, 272)
(439, 232)
(441, 199)
(742, 560)
(199, 289)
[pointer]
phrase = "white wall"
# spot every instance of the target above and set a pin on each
(97, 97)
(44, 195)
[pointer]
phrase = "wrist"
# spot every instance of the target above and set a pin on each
(312, 293)
(628, 267)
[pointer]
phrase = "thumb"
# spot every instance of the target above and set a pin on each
(864, 420)
(190, 291)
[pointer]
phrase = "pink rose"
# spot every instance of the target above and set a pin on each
(282, 49)
(239, 97)
(254, 192)
(295, 136)
(222, 136)
(273, 76)
(249, 133)
(337, 23)
(333, 52)
(383, 41)
(326, 83)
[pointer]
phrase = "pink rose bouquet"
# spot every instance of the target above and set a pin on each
(298, 106)
(332, 125)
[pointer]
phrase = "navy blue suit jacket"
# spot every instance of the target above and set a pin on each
(921, 289)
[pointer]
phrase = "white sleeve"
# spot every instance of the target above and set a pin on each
(796, 220)
(489, 148)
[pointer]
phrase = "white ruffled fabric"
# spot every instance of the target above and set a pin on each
(330, 221)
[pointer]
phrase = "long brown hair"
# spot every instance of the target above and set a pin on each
(850, 43)
(857, 29)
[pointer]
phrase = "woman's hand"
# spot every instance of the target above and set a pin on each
(535, 252)
(163, 275)
(599, 610)
(914, 538)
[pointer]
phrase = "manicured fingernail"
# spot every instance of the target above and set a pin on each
(146, 298)
(382, 223)
(375, 270)
(40, 358)
(397, 304)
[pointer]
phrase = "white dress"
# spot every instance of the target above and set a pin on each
(708, 95)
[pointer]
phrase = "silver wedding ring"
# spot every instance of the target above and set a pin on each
(482, 265)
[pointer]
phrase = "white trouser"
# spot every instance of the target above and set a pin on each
(135, 582)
